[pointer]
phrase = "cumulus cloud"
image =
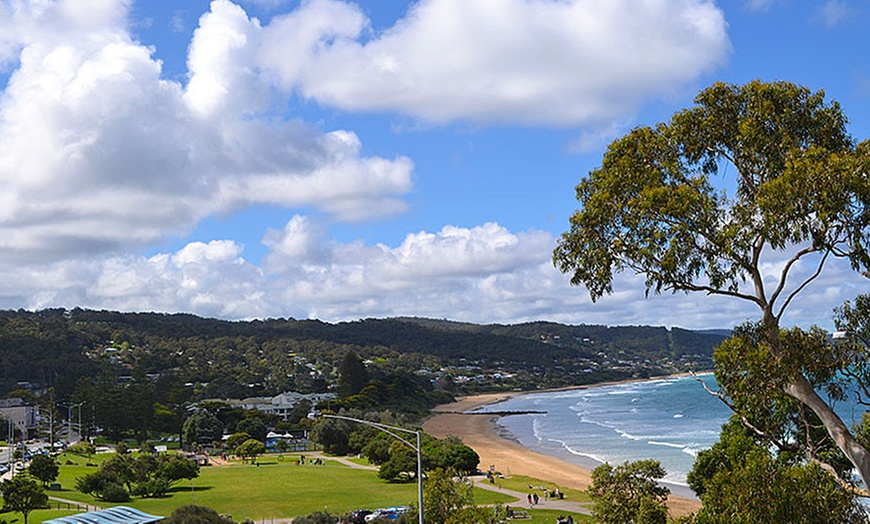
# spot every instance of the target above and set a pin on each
(102, 154)
(512, 61)
(482, 274)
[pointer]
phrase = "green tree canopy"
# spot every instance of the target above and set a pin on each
(250, 448)
(629, 493)
(801, 193)
(449, 498)
(202, 427)
(43, 468)
(254, 427)
(741, 479)
(192, 514)
(235, 439)
(352, 375)
(23, 494)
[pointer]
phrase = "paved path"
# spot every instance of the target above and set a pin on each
(522, 501)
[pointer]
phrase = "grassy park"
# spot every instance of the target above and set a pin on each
(277, 488)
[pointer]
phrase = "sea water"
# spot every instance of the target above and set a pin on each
(668, 420)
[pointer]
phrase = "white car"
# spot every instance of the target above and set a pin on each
(391, 513)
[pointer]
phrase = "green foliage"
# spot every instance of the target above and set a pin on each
(450, 454)
(236, 439)
(83, 447)
(801, 192)
(192, 514)
(318, 517)
(250, 448)
(761, 489)
(378, 449)
(144, 475)
(23, 494)
(629, 493)
(43, 468)
(444, 494)
(449, 498)
(352, 375)
(202, 427)
(402, 464)
(254, 427)
(651, 206)
(740, 479)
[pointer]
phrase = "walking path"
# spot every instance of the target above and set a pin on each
(522, 501)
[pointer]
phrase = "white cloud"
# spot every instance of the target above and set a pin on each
(102, 154)
(833, 12)
(482, 274)
(511, 61)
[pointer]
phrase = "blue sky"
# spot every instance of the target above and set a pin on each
(342, 160)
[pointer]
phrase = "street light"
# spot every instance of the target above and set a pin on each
(389, 430)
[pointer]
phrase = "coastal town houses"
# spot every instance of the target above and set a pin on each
(281, 405)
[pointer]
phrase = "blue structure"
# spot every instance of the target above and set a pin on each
(116, 515)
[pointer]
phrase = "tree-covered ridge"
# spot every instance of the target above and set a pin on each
(224, 359)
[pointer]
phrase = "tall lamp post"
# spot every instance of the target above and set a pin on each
(390, 431)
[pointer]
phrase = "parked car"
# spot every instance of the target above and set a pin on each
(391, 513)
(359, 516)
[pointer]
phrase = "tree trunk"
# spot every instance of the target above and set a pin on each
(802, 390)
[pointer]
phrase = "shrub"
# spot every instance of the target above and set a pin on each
(114, 492)
(318, 517)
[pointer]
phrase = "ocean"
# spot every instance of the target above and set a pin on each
(668, 420)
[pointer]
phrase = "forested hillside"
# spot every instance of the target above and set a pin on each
(222, 359)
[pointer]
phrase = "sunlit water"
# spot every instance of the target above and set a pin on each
(668, 420)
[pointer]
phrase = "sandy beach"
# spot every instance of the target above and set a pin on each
(480, 432)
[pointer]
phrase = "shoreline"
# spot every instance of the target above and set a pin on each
(481, 432)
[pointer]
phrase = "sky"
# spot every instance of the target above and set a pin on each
(342, 160)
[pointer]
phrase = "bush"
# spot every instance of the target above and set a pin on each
(318, 517)
(114, 492)
(192, 514)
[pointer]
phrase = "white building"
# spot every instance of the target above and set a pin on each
(23, 416)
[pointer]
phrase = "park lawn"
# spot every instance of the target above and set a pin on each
(362, 461)
(276, 488)
(549, 516)
(38, 516)
(521, 483)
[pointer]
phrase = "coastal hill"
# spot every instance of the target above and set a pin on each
(223, 359)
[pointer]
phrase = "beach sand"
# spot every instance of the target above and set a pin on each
(480, 432)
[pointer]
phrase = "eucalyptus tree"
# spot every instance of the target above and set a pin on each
(800, 192)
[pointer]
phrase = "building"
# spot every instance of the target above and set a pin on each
(281, 405)
(23, 416)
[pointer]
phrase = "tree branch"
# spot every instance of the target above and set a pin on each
(803, 285)
(760, 432)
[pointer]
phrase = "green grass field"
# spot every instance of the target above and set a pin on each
(522, 483)
(274, 489)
